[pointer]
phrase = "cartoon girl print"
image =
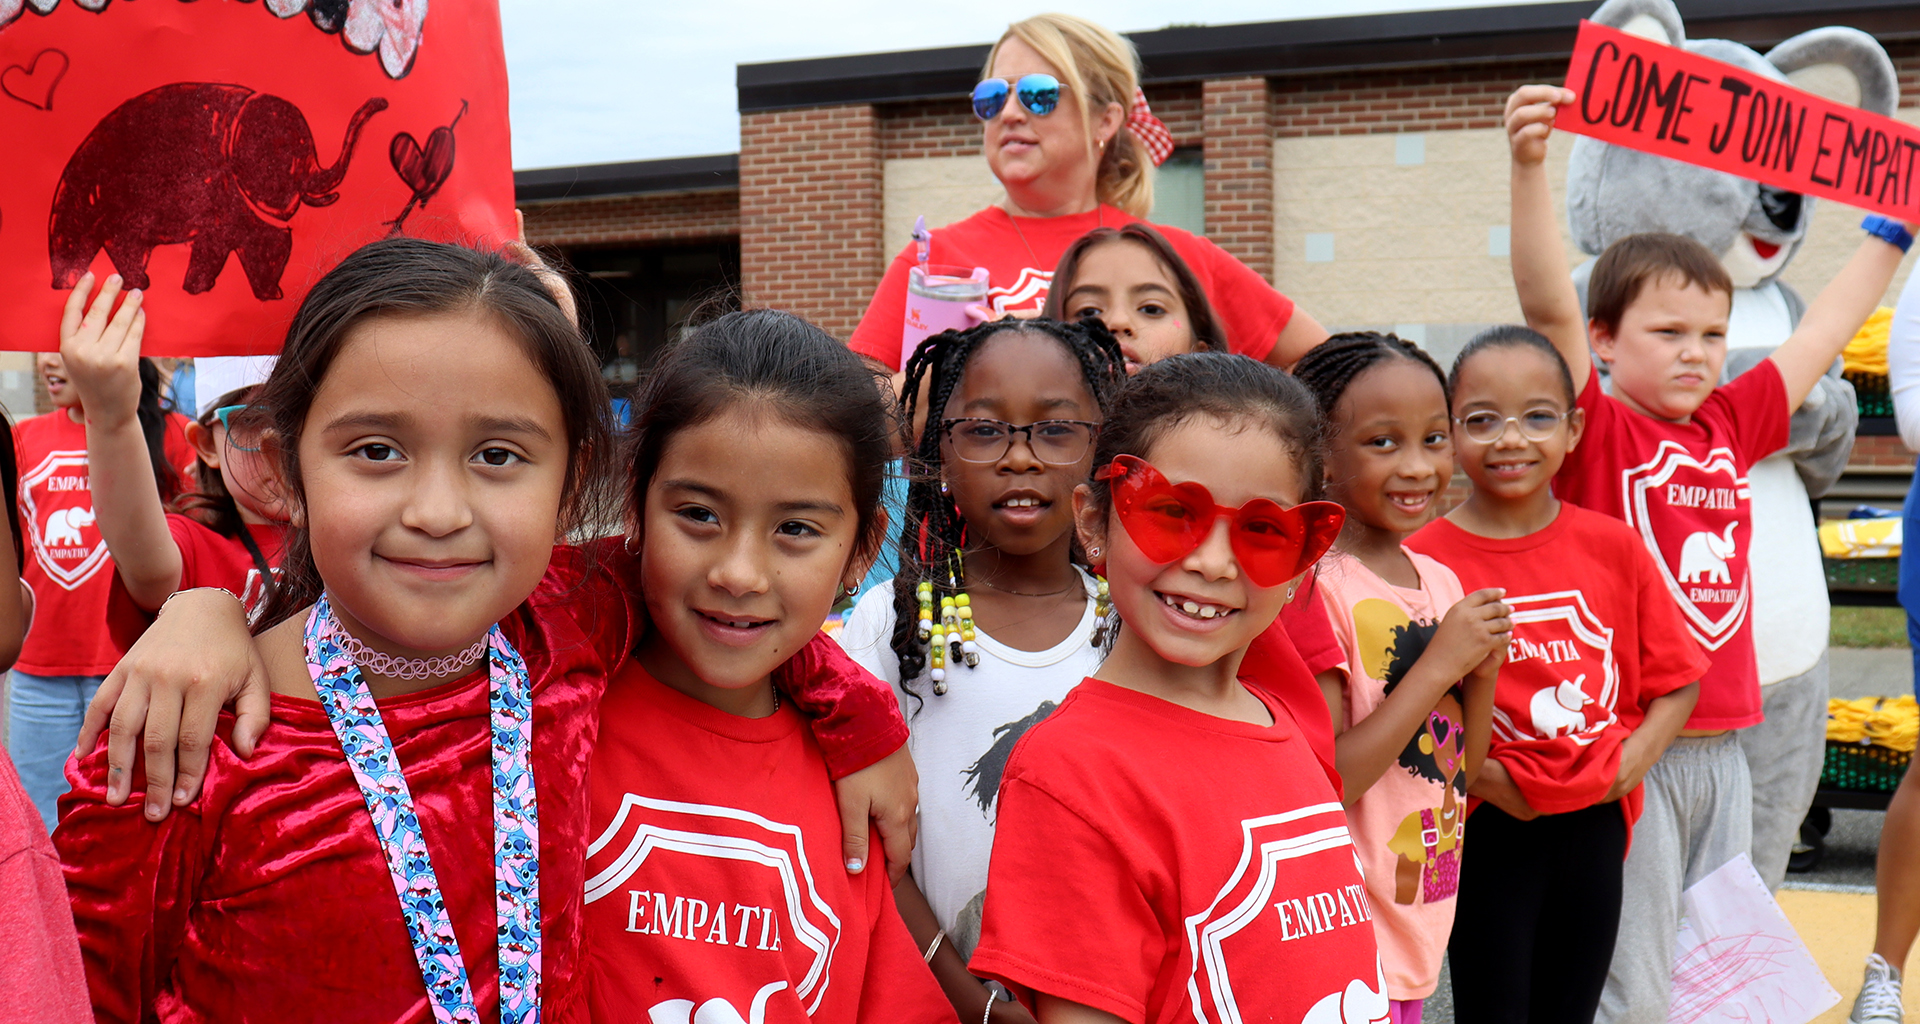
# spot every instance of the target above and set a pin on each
(1428, 840)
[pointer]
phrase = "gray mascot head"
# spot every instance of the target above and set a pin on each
(1613, 192)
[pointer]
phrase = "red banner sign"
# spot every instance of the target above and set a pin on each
(1666, 101)
(224, 155)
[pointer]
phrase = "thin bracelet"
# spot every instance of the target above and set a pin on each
(162, 610)
(987, 1016)
(934, 946)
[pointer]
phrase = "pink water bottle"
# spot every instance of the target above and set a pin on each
(938, 298)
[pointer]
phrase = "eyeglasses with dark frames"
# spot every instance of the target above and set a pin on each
(1054, 442)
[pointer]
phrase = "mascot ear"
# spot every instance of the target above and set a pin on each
(1844, 65)
(1657, 20)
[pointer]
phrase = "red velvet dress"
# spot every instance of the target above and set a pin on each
(269, 899)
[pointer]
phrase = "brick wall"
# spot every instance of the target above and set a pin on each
(1880, 451)
(1363, 103)
(1235, 113)
(628, 220)
(810, 206)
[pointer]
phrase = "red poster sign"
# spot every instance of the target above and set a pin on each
(224, 154)
(1666, 101)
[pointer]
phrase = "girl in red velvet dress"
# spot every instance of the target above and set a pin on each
(397, 847)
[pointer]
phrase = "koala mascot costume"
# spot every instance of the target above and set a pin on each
(1613, 192)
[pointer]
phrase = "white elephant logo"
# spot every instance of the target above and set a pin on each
(713, 1011)
(63, 527)
(1358, 1004)
(1560, 708)
(1703, 558)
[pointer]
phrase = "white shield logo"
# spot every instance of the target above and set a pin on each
(1703, 554)
(59, 528)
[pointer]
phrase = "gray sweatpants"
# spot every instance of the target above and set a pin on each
(1698, 816)
(1784, 755)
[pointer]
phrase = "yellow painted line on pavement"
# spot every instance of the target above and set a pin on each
(1838, 929)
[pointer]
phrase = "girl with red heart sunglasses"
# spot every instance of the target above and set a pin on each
(1168, 833)
(1413, 711)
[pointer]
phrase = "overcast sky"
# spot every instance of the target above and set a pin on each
(596, 81)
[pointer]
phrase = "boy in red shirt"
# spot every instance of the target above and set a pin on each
(1668, 453)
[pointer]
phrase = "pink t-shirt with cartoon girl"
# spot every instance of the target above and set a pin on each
(1408, 827)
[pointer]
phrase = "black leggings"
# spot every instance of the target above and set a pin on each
(1536, 917)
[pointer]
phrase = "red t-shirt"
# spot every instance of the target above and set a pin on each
(1682, 487)
(210, 560)
(1020, 254)
(274, 875)
(67, 562)
(1304, 619)
(1596, 637)
(1165, 865)
(206, 560)
(1275, 664)
(715, 887)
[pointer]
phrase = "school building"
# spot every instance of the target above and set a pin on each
(1357, 162)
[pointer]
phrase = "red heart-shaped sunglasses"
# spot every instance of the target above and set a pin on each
(1168, 521)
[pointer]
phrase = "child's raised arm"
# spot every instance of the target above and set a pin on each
(1835, 315)
(101, 349)
(1541, 276)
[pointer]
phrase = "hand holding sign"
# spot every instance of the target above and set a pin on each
(1670, 102)
(1530, 114)
(100, 348)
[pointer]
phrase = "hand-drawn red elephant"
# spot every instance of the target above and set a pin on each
(199, 163)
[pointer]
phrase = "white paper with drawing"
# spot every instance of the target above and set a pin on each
(1738, 958)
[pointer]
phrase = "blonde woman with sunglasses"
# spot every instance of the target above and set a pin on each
(1068, 134)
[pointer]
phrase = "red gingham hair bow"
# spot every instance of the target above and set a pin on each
(1149, 129)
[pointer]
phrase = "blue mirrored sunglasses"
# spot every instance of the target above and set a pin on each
(225, 415)
(1039, 94)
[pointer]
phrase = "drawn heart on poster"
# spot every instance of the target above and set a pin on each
(34, 83)
(424, 170)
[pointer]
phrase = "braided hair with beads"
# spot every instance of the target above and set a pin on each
(1333, 364)
(929, 594)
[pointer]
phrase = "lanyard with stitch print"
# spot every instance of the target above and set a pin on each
(516, 828)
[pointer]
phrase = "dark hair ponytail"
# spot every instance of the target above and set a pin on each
(153, 427)
(402, 277)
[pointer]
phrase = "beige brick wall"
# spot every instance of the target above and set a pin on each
(943, 188)
(1410, 241)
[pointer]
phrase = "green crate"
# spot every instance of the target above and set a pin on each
(1873, 392)
(1881, 574)
(1864, 767)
